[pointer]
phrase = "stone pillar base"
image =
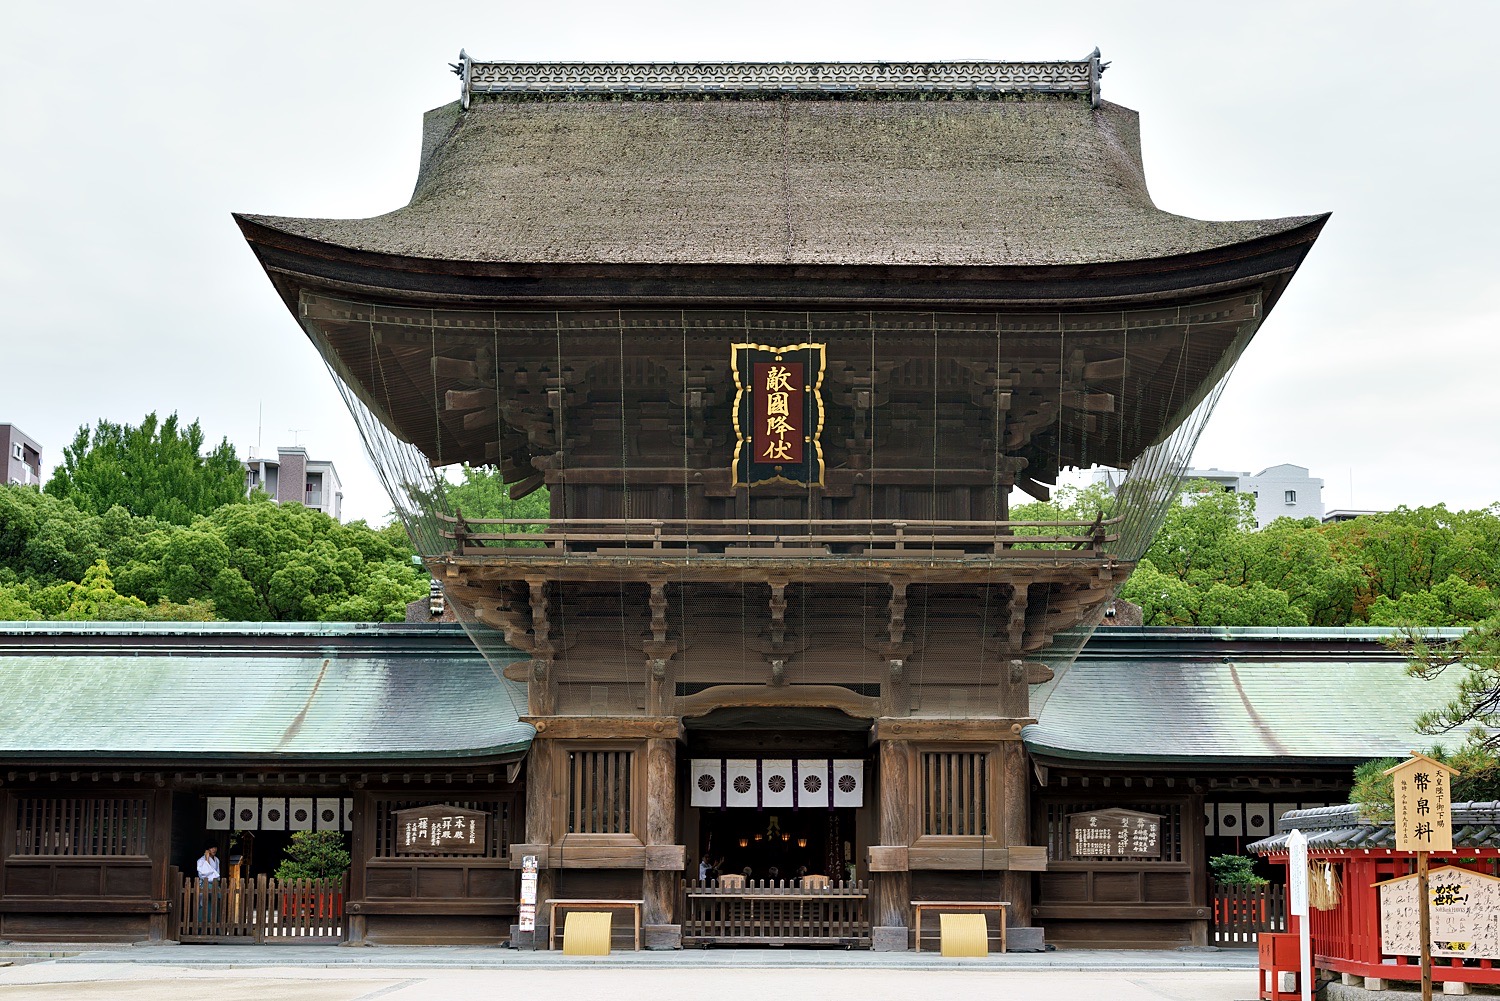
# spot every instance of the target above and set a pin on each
(890, 938)
(661, 936)
(1024, 940)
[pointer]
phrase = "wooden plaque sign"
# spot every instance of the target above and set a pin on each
(1423, 821)
(778, 414)
(441, 830)
(1114, 834)
(1465, 915)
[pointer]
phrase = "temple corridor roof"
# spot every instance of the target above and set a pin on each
(251, 691)
(1239, 695)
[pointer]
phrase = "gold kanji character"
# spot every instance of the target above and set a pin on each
(778, 451)
(778, 379)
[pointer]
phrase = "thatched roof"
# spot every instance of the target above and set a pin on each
(737, 177)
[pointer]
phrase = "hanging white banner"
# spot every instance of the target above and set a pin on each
(776, 782)
(299, 814)
(742, 788)
(848, 782)
(708, 782)
(218, 813)
(273, 814)
(246, 813)
(1257, 819)
(812, 782)
(329, 815)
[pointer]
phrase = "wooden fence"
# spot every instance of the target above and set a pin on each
(779, 913)
(281, 912)
(1241, 913)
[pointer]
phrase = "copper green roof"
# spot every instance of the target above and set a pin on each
(1224, 696)
(252, 691)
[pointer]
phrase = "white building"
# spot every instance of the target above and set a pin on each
(1284, 491)
(292, 476)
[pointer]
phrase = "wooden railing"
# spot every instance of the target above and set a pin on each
(284, 912)
(776, 913)
(1241, 913)
(660, 536)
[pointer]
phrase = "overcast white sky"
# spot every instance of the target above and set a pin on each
(131, 131)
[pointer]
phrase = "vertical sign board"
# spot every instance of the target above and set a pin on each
(527, 913)
(778, 414)
(1424, 821)
(1296, 845)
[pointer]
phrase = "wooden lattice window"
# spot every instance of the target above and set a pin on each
(955, 793)
(599, 792)
(80, 825)
(501, 811)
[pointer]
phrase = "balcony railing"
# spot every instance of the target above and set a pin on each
(665, 537)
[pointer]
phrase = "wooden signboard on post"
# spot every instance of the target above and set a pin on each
(1424, 820)
(1464, 915)
(441, 830)
(1424, 823)
(1114, 834)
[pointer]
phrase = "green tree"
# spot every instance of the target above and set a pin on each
(314, 855)
(156, 469)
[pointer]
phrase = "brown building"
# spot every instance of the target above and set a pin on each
(781, 340)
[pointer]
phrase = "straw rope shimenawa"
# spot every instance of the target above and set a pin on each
(750, 164)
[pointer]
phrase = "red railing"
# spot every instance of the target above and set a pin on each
(1346, 939)
(1241, 913)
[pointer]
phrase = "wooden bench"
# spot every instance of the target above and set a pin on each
(574, 903)
(964, 906)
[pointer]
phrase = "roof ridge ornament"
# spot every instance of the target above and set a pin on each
(542, 80)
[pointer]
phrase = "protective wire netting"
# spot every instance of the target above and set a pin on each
(900, 562)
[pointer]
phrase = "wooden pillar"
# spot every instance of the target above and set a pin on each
(1015, 828)
(161, 864)
(540, 794)
(359, 856)
(891, 901)
(659, 886)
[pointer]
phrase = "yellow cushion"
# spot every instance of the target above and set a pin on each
(965, 935)
(586, 933)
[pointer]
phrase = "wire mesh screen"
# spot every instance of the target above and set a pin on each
(847, 506)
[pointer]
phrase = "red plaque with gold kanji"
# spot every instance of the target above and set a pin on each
(778, 414)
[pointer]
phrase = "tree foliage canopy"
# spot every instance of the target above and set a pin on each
(251, 560)
(157, 470)
(1209, 566)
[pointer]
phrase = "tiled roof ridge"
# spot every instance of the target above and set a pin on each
(808, 79)
(1348, 815)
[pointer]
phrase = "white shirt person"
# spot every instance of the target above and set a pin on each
(208, 865)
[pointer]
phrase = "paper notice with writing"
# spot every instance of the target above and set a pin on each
(1465, 915)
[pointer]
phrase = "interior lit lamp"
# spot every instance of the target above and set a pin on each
(744, 842)
(801, 842)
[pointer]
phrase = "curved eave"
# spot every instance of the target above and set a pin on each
(1060, 757)
(296, 262)
(104, 758)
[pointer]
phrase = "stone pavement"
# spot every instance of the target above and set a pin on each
(252, 973)
(488, 957)
(330, 973)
